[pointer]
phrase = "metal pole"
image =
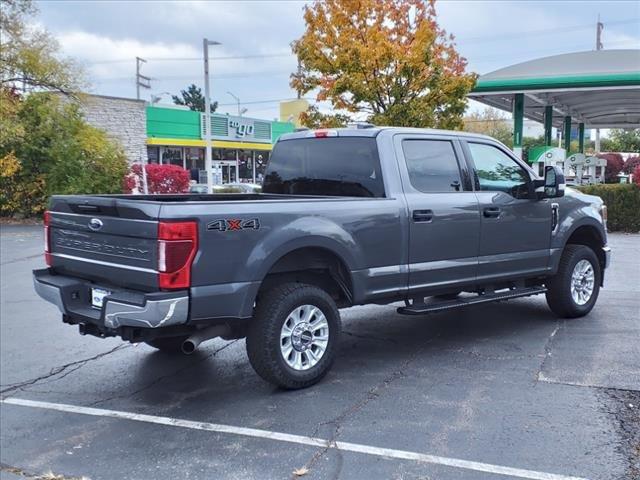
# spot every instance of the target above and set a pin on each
(567, 134)
(138, 78)
(581, 137)
(548, 124)
(518, 123)
(207, 119)
(599, 46)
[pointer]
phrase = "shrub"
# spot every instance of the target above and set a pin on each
(160, 179)
(631, 164)
(55, 152)
(623, 205)
(636, 176)
(615, 163)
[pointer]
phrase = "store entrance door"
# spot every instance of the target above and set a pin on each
(228, 172)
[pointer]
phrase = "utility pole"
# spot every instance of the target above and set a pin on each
(208, 161)
(599, 46)
(141, 80)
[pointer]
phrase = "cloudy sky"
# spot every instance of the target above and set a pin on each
(254, 60)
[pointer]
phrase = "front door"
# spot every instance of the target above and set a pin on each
(444, 221)
(515, 232)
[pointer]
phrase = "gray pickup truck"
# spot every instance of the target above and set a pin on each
(435, 219)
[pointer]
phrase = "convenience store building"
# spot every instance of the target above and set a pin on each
(240, 145)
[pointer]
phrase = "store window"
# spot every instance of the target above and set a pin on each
(153, 154)
(195, 158)
(261, 160)
(245, 165)
(173, 156)
(229, 155)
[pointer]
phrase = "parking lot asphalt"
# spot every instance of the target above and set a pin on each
(496, 391)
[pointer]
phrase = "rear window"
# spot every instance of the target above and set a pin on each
(336, 166)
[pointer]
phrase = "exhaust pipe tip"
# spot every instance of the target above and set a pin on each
(189, 346)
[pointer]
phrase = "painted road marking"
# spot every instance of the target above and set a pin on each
(299, 439)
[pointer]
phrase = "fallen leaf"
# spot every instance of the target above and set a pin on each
(299, 472)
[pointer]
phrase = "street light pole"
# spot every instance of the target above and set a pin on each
(208, 164)
(237, 101)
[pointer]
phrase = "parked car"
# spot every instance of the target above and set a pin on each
(347, 217)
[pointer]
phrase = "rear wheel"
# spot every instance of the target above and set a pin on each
(573, 291)
(168, 344)
(292, 339)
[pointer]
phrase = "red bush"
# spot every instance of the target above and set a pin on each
(631, 164)
(615, 164)
(636, 176)
(160, 179)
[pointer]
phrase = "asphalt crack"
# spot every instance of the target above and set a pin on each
(369, 396)
(540, 376)
(65, 370)
(163, 377)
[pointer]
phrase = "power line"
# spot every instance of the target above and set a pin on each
(484, 38)
(193, 59)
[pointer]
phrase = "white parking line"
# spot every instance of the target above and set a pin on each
(299, 439)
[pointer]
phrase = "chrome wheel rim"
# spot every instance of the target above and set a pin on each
(304, 337)
(582, 282)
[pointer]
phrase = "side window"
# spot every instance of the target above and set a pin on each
(432, 165)
(498, 172)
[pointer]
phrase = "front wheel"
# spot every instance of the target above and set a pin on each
(573, 291)
(292, 339)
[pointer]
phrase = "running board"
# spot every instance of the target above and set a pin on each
(421, 308)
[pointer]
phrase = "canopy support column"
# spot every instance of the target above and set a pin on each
(518, 123)
(581, 137)
(566, 134)
(548, 124)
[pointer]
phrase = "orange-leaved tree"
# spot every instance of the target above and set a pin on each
(386, 59)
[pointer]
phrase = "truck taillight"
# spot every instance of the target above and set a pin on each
(47, 238)
(177, 247)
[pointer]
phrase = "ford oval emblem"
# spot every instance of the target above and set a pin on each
(95, 224)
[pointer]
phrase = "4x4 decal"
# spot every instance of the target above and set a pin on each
(234, 224)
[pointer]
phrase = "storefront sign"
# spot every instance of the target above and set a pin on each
(242, 127)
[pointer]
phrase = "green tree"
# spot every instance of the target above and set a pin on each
(622, 141)
(492, 122)
(193, 98)
(29, 56)
(388, 59)
(314, 118)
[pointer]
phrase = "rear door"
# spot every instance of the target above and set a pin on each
(515, 232)
(444, 221)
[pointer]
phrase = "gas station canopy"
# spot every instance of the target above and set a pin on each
(600, 88)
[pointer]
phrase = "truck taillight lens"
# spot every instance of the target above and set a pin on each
(47, 238)
(177, 247)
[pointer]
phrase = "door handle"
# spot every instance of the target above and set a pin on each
(491, 212)
(422, 215)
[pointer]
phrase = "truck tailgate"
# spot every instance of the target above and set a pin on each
(108, 240)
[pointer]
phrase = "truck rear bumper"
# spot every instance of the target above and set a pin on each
(72, 296)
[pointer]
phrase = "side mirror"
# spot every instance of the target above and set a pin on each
(553, 184)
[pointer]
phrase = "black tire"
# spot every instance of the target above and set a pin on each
(264, 341)
(168, 344)
(559, 297)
